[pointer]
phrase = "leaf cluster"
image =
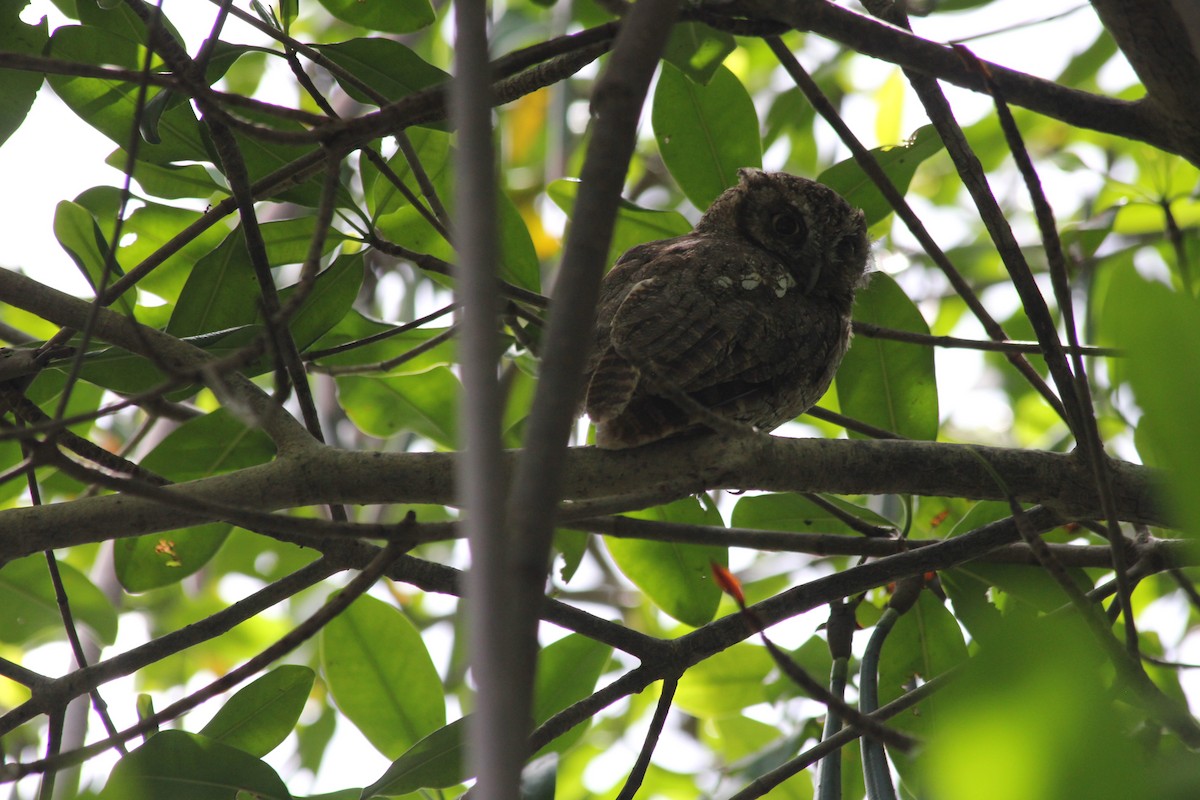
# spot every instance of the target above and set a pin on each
(243, 443)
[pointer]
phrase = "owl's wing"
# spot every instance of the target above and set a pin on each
(678, 335)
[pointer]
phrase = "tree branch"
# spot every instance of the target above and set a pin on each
(1132, 120)
(180, 357)
(1158, 43)
(672, 469)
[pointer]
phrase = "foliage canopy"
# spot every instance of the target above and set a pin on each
(235, 471)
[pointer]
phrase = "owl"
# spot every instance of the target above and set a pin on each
(744, 319)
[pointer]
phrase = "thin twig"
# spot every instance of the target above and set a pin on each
(1088, 434)
(64, 610)
(284, 645)
(851, 424)
(1167, 711)
(638, 773)
(111, 267)
(391, 363)
(48, 693)
(953, 342)
(400, 330)
(435, 264)
(763, 784)
(871, 167)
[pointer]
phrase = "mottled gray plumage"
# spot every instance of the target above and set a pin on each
(748, 315)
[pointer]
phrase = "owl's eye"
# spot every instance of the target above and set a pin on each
(788, 225)
(847, 248)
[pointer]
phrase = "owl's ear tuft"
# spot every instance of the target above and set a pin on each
(748, 174)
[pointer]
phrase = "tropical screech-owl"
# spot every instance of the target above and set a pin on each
(748, 315)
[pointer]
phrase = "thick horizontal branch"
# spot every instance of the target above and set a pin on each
(666, 470)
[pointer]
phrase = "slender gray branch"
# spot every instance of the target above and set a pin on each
(538, 482)
(501, 658)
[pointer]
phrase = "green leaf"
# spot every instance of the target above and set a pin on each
(48, 387)
(436, 762)
(150, 227)
(773, 756)
(288, 240)
(1160, 330)
(980, 514)
(110, 106)
(184, 766)
(698, 50)
(432, 150)
(814, 657)
(10, 456)
(18, 89)
(312, 741)
(1083, 66)
(791, 113)
(973, 607)
(736, 737)
(1012, 721)
(221, 291)
(397, 16)
(925, 642)
(539, 778)
(150, 562)
(425, 404)
(675, 576)
(890, 103)
(120, 18)
(328, 300)
(388, 67)
(705, 133)
(572, 546)
(726, 683)
(519, 263)
(898, 162)
(521, 388)
(244, 73)
(634, 225)
(288, 9)
(790, 512)
(31, 606)
(1032, 589)
(567, 673)
(260, 716)
(262, 158)
(121, 371)
(888, 384)
(355, 327)
(208, 445)
(77, 232)
(381, 675)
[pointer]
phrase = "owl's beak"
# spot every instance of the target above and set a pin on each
(814, 275)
